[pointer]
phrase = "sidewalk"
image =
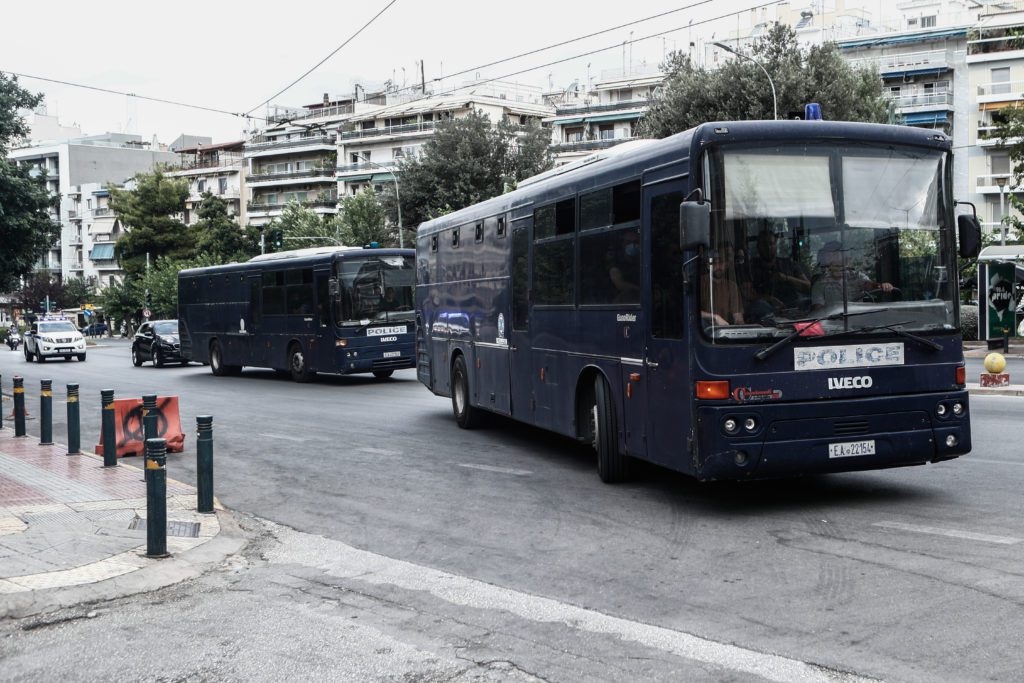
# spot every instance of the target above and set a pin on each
(73, 531)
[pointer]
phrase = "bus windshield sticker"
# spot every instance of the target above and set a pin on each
(850, 356)
(382, 331)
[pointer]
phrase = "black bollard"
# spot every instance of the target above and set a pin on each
(19, 406)
(46, 412)
(1, 401)
(149, 425)
(204, 464)
(74, 421)
(109, 428)
(156, 498)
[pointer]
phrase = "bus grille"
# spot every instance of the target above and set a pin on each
(392, 364)
(850, 427)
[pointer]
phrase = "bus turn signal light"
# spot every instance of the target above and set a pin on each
(713, 390)
(961, 375)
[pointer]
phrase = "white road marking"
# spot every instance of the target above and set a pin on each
(993, 462)
(296, 439)
(952, 533)
(378, 451)
(492, 468)
(339, 559)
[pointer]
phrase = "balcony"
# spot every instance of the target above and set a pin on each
(101, 211)
(364, 167)
(330, 202)
(323, 173)
(386, 131)
(923, 102)
(989, 184)
(75, 240)
(318, 113)
(932, 61)
(995, 43)
(75, 265)
(1000, 91)
(261, 144)
(591, 108)
(589, 145)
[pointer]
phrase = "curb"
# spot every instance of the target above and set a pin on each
(1012, 390)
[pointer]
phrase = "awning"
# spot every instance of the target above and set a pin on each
(383, 178)
(565, 122)
(925, 118)
(932, 71)
(629, 116)
(996, 106)
(356, 178)
(900, 39)
(102, 252)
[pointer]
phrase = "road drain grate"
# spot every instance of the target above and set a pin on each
(174, 528)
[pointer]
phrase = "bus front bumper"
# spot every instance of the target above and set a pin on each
(817, 437)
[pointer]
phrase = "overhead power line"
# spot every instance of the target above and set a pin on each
(110, 91)
(334, 52)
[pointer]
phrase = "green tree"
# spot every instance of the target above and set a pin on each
(35, 288)
(738, 90)
(361, 220)
(150, 211)
(217, 235)
(122, 300)
(466, 161)
(77, 291)
(1009, 131)
(26, 230)
(304, 227)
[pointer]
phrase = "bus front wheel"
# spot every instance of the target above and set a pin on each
(297, 365)
(612, 464)
(382, 374)
(217, 366)
(466, 415)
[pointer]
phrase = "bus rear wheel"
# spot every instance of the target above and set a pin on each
(217, 366)
(466, 416)
(297, 365)
(612, 464)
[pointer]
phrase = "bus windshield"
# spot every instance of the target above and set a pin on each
(375, 289)
(856, 233)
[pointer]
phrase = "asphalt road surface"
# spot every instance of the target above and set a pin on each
(909, 574)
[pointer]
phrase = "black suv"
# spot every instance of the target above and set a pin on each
(157, 341)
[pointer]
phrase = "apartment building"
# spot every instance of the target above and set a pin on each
(219, 169)
(294, 159)
(94, 232)
(106, 158)
(372, 143)
(602, 114)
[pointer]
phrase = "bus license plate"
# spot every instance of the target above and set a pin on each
(851, 449)
(392, 354)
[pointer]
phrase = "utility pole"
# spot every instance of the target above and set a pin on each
(263, 242)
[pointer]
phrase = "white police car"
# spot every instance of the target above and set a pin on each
(52, 337)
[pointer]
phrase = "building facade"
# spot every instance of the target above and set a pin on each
(219, 169)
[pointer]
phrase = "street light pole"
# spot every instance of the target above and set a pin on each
(1001, 182)
(775, 102)
(398, 198)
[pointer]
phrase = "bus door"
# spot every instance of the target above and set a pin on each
(520, 372)
(666, 355)
(254, 320)
(324, 331)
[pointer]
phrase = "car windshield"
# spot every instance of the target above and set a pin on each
(57, 326)
(378, 289)
(806, 231)
(168, 327)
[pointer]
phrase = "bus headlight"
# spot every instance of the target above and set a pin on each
(940, 410)
(958, 409)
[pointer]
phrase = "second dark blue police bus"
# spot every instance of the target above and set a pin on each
(740, 300)
(337, 310)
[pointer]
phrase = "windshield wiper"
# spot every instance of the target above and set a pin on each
(892, 327)
(809, 322)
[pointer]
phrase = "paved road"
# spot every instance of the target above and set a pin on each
(908, 574)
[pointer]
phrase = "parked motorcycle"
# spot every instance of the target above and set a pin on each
(13, 341)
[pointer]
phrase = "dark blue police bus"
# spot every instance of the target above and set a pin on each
(741, 300)
(338, 310)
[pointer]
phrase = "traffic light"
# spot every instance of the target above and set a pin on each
(149, 300)
(276, 238)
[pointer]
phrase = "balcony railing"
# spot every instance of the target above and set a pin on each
(75, 239)
(368, 167)
(588, 145)
(938, 99)
(995, 39)
(101, 211)
(308, 173)
(260, 143)
(905, 62)
(1012, 89)
(562, 110)
(993, 181)
(420, 127)
(329, 202)
(216, 161)
(319, 113)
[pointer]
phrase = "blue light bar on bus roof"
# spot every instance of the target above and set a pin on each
(812, 111)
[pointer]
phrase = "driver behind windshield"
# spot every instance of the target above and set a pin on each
(827, 290)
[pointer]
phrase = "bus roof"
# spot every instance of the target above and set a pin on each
(597, 169)
(296, 258)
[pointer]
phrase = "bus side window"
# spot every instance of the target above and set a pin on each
(322, 299)
(520, 301)
(666, 267)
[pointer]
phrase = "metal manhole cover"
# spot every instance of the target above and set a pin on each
(174, 527)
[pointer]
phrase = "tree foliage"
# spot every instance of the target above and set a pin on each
(218, 236)
(467, 160)
(361, 220)
(149, 212)
(738, 90)
(303, 228)
(26, 230)
(77, 291)
(34, 290)
(1010, 131)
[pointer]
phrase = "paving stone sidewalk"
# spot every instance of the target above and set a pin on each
(68, 521)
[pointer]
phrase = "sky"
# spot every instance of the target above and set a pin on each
(232, 56)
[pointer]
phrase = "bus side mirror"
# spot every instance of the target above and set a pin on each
(694, 225)
(332, 286)
(969, 234)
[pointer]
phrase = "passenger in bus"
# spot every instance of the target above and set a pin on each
(390, 301)
(776, 283)
(721, 303)
(827, 290)
(624, 269)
